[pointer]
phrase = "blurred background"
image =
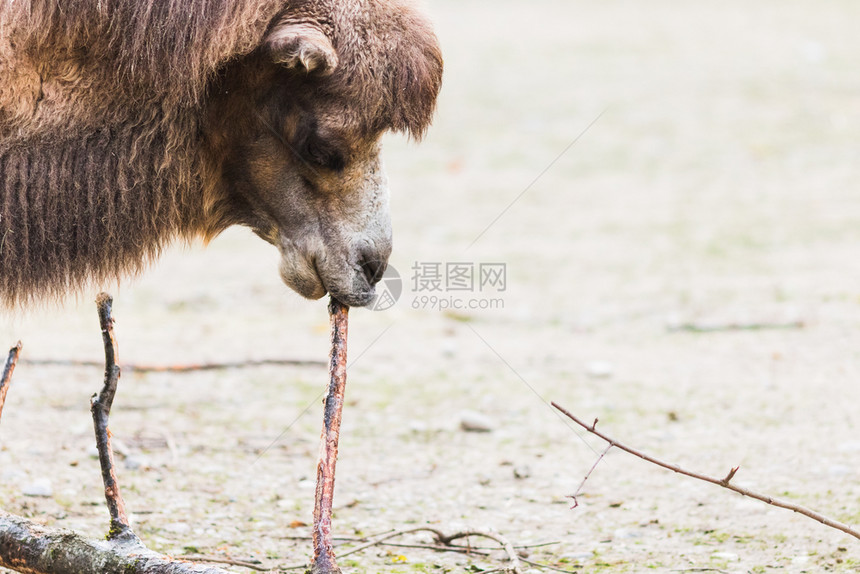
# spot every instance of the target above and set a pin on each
(671, 188)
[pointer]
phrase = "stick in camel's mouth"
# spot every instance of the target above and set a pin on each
(323, 561)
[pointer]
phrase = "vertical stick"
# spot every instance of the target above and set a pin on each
(100, 406)
(8, 369)
(323, 558)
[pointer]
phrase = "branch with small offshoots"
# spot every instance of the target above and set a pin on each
(724, 482)
(443, 543)
(575, 496)
(100, 406)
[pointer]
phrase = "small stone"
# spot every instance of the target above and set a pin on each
(471, 421)
(418, 426)
(9, 475)
(850, 446)
(749, 506)
(599, 369)
(578, 557)
(624, 534)
(177, 527)
(136, 462)
(39, 487)
(450, 348)
(800, 560)
(839, 470)
(522, 471)
(119, 447)
(727, 556)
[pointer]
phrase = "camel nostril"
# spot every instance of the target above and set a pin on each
(373, 270)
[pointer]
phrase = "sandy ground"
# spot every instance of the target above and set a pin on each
(717, 188)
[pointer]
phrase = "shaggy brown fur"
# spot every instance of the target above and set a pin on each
(117, 116)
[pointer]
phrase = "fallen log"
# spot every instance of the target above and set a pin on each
(30, 548)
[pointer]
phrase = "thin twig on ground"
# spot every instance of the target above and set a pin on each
(547, 566)
(340, 538)
(479, 550)
(444, 543)
(8, 369)
(100, 407)
(436, 547)
(229, 561)
(348, 539)
(189, 368)
(718, 327)
(515, 546)
(503, 542)
(575, 495)
(724, 482)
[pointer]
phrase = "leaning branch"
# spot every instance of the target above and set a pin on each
(8, 369)
(725, 482)
(100, 406)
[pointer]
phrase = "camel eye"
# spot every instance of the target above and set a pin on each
(322, 154)
(313, 149)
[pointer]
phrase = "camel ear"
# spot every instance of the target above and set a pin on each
(301, 45)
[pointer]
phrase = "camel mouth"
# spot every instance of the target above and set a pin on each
(355, 298)
(313, 277)
(352, 289)
(308, 285)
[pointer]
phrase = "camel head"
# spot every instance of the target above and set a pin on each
(298, 125)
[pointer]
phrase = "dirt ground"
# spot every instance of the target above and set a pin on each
(715, 192)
